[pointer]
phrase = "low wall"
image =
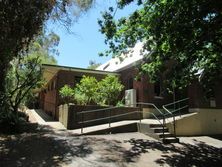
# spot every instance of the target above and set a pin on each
(203, 122)
(69, 118)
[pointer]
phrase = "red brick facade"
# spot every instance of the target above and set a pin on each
(49, 98)
(146, 92)
(144, 89)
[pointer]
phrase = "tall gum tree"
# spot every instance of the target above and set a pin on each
(21, 21)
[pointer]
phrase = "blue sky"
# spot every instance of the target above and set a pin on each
(84, 45)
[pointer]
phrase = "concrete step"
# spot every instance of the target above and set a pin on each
(169, 140)
(156, 126)
(167, 134)
(160, 130)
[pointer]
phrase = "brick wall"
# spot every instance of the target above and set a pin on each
(50, 99)
(198, 99)
(144, 88)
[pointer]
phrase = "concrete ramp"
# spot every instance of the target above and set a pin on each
(117, 127)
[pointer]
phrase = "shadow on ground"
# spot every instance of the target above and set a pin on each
(218, 137)
(185, 155)
(42, 148)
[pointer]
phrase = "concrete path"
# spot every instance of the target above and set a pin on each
(38, 116)
(62, 148)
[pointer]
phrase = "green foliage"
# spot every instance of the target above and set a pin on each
(11, 122)
(120, 103)
(89, 90)
(184, 37)
(67, 93)
(45, 47)
(84, 5)
(109, 90)
(80, 98)
(24, 74)
(21, 21)
(86, 89)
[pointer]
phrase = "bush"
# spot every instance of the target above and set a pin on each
(104, 92)
(11, 122)
(80, 98)
(109, 90)
(86, 89)
(67, 93)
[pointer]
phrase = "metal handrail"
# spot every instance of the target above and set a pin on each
(185, 106)
(104, 118)
(163, 115)
(178, 101)
(102, 109)
(175, 110)
(119, 115)
(157, 118)
(151, 104)
(171, 112)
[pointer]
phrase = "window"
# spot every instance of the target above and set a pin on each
(130, 83)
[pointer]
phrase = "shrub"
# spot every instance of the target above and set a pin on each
(67, 93)
(104, 92)
(11, 122)
(85, 90)
(109, 90)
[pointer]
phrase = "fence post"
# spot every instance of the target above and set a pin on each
(109, 118)
(174, 126)
(82, 119)
(164, 122)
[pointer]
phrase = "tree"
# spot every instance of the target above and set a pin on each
(21, 21)
(109, 89)
(85, 90)
(25, 74)
(93, 65)
(184, 38)
(23, 77)
(45, 47)
(67, 93)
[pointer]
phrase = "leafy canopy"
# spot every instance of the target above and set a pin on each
(24, 74)
(184, 38)
(21, 21)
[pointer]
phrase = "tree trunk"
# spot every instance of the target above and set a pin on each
(3, 100)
